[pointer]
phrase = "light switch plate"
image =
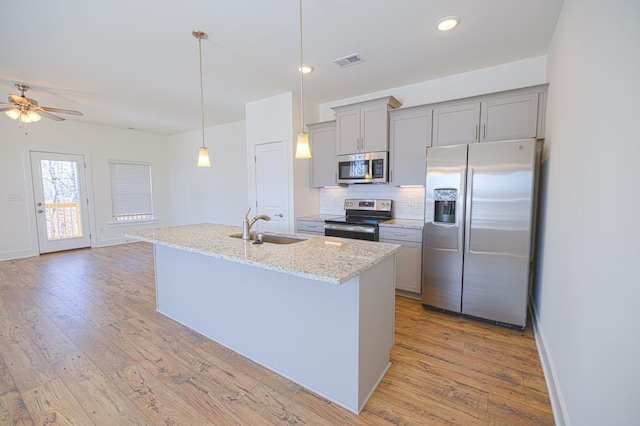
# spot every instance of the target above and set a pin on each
(14, 197)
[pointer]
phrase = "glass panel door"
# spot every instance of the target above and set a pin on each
(60, 201)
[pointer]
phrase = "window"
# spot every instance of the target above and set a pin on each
(131, 191)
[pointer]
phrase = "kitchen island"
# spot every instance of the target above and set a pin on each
(319, 312)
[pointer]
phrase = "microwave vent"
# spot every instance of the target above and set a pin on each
(347, 61)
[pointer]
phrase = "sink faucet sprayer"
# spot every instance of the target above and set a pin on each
(248, 223)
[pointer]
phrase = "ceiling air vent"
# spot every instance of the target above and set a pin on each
(347, 61)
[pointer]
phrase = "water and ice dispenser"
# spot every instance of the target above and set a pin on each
(445, 205)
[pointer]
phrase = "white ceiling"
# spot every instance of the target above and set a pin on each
(134, 63)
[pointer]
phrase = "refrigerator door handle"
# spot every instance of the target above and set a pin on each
(461, 211)
(468, 211)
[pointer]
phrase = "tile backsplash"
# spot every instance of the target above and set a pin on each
(408, 202)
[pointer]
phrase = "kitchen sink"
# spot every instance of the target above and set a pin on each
(273, 239)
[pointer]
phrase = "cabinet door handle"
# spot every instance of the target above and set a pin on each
(475, 135)
(484, 131)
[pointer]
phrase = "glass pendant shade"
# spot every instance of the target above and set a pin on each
(203, 157)
(302, 145)
(33, 116)
(13, 113)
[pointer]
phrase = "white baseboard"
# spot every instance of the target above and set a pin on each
(110, 242)
(557, 404)
(19, 254)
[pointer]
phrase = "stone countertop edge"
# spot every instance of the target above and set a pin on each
(403, 223)
(318, 217)
(317, 260)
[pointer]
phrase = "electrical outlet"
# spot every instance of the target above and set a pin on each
(14, 197)
(411, 202)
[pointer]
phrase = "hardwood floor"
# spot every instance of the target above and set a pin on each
(81, 343)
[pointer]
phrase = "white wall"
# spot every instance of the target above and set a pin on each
(217, 194)
(98, 145)
(588, 283)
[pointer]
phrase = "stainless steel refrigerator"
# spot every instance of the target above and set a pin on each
(480, 202)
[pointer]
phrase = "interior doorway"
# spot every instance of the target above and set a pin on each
(272, 185)
(60, 200)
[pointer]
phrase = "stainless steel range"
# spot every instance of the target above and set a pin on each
(361, 219)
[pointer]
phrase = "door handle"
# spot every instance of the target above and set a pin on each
(279, 215)
(468, 211)
(40, 211)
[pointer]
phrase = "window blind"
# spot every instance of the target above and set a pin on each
(131, 196)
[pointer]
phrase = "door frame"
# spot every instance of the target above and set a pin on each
(30, 196)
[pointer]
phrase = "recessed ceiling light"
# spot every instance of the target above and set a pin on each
(305, 69)
(447, 23)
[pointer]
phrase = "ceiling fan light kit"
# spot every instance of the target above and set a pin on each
(27, 110)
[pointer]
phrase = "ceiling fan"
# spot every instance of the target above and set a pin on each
(28, 110)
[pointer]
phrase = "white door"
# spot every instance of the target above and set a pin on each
(60, 200)
(272, 186)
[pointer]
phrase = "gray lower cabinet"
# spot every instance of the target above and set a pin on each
(315, 227)
(323, 166)
(408, 258)
(409, 137)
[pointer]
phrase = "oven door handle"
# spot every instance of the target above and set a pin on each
(363, 229)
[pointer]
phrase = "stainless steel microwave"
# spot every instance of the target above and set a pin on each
(368, 167)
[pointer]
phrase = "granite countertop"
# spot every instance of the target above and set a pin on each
(328, 259)
(403, 223)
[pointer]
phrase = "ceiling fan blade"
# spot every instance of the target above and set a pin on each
(60, 110)
(5, 109)
(19, 100)
(50, 116)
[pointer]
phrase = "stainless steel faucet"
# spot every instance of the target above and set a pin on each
(248, 223)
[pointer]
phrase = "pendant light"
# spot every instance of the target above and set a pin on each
(203, 152)
(302, 141)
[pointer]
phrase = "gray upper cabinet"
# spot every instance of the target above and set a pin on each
(323, 166)
(513, 117)
(500, 117)
(364, 126)
(457, 124)
(409, 137)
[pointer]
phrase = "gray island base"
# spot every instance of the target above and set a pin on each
(329, 329)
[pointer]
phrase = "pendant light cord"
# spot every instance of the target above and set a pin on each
(201, 89)
(301, 76)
